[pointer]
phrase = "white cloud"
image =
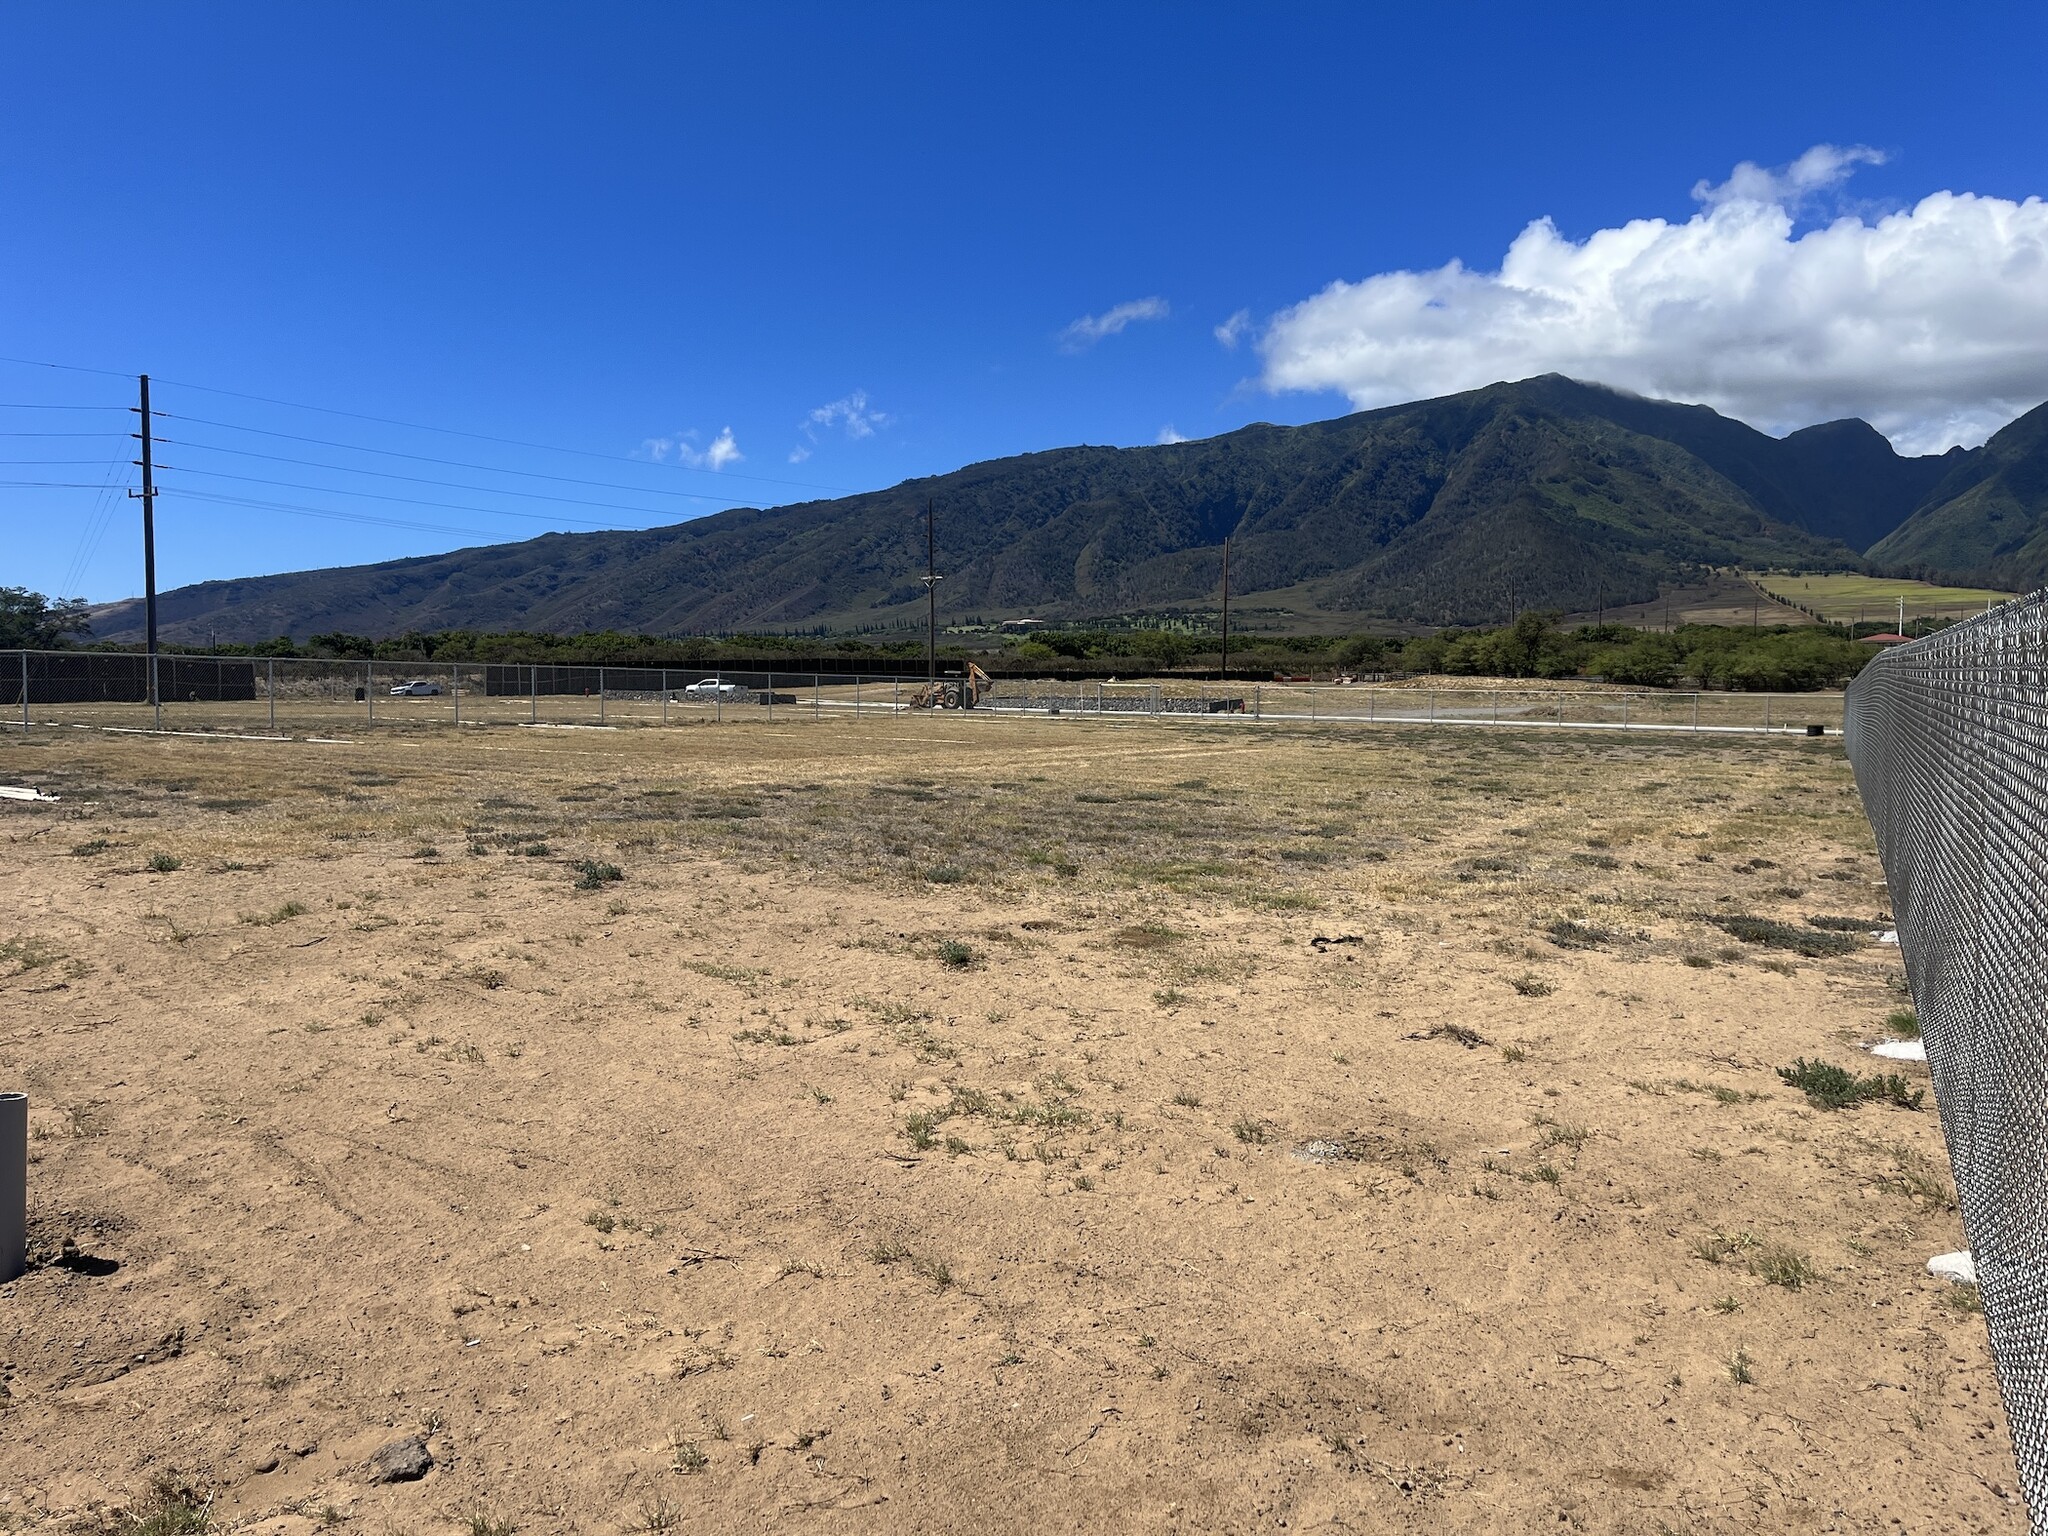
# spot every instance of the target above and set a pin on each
(683, 449)
(1820, 169)
(723, 451)
(852, 413)
(1089, 329)
(1930, 322)
(1233, 330)
(1167, 434)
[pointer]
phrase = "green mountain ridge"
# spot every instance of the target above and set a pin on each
(1465, 509)
(1986, 521)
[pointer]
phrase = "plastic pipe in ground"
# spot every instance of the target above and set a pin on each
(13, 1185)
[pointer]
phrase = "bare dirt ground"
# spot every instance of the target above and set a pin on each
(963, 1125)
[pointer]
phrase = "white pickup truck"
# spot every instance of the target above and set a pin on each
(711, 688)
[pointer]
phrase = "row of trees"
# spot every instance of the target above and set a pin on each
(1781, 658)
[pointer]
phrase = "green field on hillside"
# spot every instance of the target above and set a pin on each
(1845, 597)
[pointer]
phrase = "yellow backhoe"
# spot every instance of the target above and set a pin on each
(954, 692)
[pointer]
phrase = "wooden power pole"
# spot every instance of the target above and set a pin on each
(147, 495)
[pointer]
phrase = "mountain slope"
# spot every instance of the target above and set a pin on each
(1987, 520)
(1547, 492)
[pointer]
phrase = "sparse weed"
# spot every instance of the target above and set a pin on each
(1779, 1265)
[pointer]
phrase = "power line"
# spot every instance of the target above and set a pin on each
(411, 426)
(350, 469)
(330, 515)
(108, 373)
(486, 437)
(424, 458)
(416, 501)
(97, 521)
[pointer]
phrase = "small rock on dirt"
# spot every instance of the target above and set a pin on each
(402, 1461)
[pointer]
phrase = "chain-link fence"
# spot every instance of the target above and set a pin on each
(1949, 740)
(297, 697)
(1425, 702)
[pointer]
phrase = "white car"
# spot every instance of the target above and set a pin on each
(414, 690)
(711, 688)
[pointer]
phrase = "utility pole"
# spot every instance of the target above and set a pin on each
(1226, 608)
(931, 603)
(148, 498)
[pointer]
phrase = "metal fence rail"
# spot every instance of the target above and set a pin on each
(298, 697)
(1949, 740)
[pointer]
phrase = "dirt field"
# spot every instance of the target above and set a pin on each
(948, 1126)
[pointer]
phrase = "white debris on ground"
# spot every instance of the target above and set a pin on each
(1889, 936)
(17, 792)
(1900, 1050)
(1954, 1266)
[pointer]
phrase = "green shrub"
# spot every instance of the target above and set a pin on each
(1827, 1086)
(955, 954)
(590, 874)
(1774, 935)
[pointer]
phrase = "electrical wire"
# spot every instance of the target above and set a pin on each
(97, 521)
(417, 501)
(451, 485)
(329, 514)
(426, 458)
(411, 426)
(323, 442)
(486, 437)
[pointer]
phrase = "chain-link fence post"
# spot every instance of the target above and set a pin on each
(455, 689)
(370, 691)
(816, 706)
(270, 691)
(24, 692)
(600, 695)
(664, 695)
(533, 695)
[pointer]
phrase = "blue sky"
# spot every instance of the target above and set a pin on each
(856, 244)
